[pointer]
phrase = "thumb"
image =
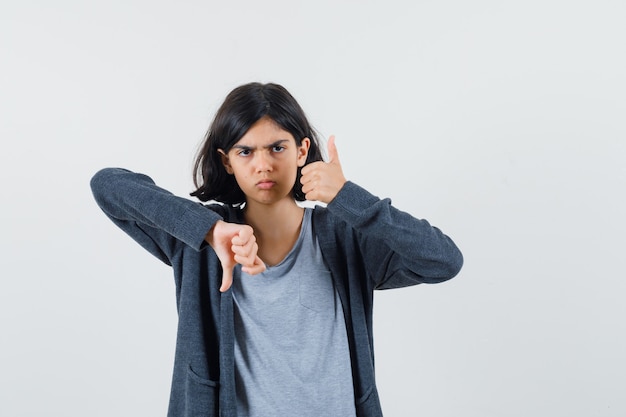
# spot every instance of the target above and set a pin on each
(333, 155)
(227, 277)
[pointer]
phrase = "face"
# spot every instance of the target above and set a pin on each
(265, 162)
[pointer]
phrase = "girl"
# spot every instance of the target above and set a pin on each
(274, 300)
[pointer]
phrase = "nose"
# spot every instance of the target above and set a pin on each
(263, 162)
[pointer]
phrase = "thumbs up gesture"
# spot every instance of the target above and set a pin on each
(321, 181)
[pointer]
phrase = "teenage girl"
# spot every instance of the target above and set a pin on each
(274, 300)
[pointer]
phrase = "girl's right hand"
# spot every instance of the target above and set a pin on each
(234, 244)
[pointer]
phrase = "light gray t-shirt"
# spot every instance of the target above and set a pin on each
(291, 349)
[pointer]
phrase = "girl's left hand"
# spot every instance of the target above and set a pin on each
(321, 181)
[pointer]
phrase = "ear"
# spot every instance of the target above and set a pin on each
(303, 151)
(225, 161)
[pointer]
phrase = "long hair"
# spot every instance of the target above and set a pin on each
(242, 108)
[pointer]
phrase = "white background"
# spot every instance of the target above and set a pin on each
(501, 122)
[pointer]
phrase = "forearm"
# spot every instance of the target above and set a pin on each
(133, 199)
(394, 241)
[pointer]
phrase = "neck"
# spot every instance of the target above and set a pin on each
(276, 228)
(275, 219)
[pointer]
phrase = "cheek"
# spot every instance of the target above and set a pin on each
(240, 175)
(240, 169)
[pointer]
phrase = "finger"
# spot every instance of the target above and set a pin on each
(244, 246)
(256, 268)
(314, 173)
(227, 278)
(308, 168)
(244, 235)
(305, 190)
(246, 256)
(333, 155)
(309, 191)
(246, 242)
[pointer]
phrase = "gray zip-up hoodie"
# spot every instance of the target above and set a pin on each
(366, 243)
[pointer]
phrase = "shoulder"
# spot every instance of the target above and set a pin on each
(327, 226)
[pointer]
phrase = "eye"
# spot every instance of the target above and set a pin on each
(278, 148)
(244, 152)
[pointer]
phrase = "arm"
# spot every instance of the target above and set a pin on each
(154, 217)
(398, 249)
(160, 221)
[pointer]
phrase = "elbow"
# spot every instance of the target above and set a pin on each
(106, 179)
(100, 180)
(455, 264)
(97, 183)
(452, 261)
(103, 184)
(446, 268)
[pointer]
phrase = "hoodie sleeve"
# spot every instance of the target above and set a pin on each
(158, 220)
(398, 249)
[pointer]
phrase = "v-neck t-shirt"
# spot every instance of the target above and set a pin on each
(291, 348)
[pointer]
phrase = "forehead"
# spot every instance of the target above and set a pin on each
(264, 132)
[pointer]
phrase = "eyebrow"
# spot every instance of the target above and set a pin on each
(271, 145)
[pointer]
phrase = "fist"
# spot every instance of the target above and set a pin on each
(234, 244)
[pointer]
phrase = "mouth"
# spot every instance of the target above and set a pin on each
(265, 184)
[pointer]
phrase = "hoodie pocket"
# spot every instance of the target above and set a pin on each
(201, 396)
